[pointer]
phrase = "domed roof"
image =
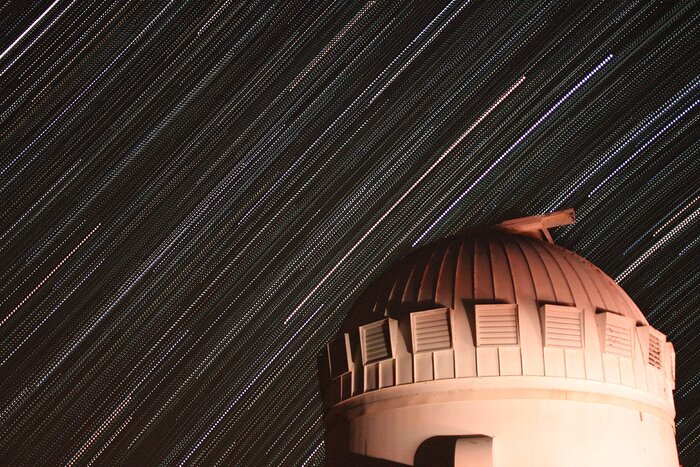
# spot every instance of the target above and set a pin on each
(490, 267)
(485, 335)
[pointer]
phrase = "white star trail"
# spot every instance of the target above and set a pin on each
(26, 31)
(513, 146)
(183, 184)
(644, 146)
(51, 273)
(405, 194)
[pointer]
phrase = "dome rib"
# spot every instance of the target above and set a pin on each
(444, 287)
(560, 286)
(483, 279)
(544, 289)
(504, 289)
(504, 268)
(463, 287)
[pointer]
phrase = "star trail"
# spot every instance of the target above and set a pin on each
(194, 193)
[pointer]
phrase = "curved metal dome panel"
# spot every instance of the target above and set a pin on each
(501, 268)
(500, 336)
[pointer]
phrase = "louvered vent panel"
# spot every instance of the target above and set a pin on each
(376, 342)
(655, 352)
(496, 325)
(563, 328)
(618, 337)
(431, 330)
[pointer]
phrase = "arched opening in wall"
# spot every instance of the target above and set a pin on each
(459, 451)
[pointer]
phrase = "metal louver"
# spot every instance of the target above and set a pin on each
(618, 335)
(376, 341)
(563, 327)
(655, 352)
(431, 330)
(496, 325)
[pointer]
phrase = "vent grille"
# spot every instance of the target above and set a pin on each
(496, 325)
(431, 330)
(376, 341)
(655, 352)
(563, 327)
(618, 336)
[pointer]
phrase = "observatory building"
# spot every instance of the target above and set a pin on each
(499, 348)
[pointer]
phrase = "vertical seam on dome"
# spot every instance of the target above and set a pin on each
(510, 270)
(621, 297)
(438, 276)
(425, 275)
(548, 252)
(639, 314)
(384, 295)
(454, 282)
(619, 301)
(489, 243)
(401, 278)
(441, 272)
(531, 244)
(564, 257)
(392, 294)
(473, 269)
(529, 269)
(589, 272)
(409, 280)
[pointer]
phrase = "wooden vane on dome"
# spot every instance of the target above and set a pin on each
(537, 226)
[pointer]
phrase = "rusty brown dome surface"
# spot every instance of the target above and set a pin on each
(490, 268)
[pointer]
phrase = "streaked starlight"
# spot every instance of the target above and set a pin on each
(194, 193)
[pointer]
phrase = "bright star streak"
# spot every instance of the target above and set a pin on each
(656, 246)
(410, 189)
(514, 145)
(29, 295)
(234, 152)
(644, 146)
(26, 31)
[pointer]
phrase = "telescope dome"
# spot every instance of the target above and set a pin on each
(502, 345)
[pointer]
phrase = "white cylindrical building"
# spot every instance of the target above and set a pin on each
(499, 349)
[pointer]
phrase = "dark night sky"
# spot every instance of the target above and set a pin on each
(194, 193)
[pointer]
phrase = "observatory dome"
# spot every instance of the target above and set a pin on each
(491, 268)
(500, 348)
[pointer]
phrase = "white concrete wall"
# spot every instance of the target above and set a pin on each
(531, 421)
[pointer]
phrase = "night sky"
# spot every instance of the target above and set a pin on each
(194, 193)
